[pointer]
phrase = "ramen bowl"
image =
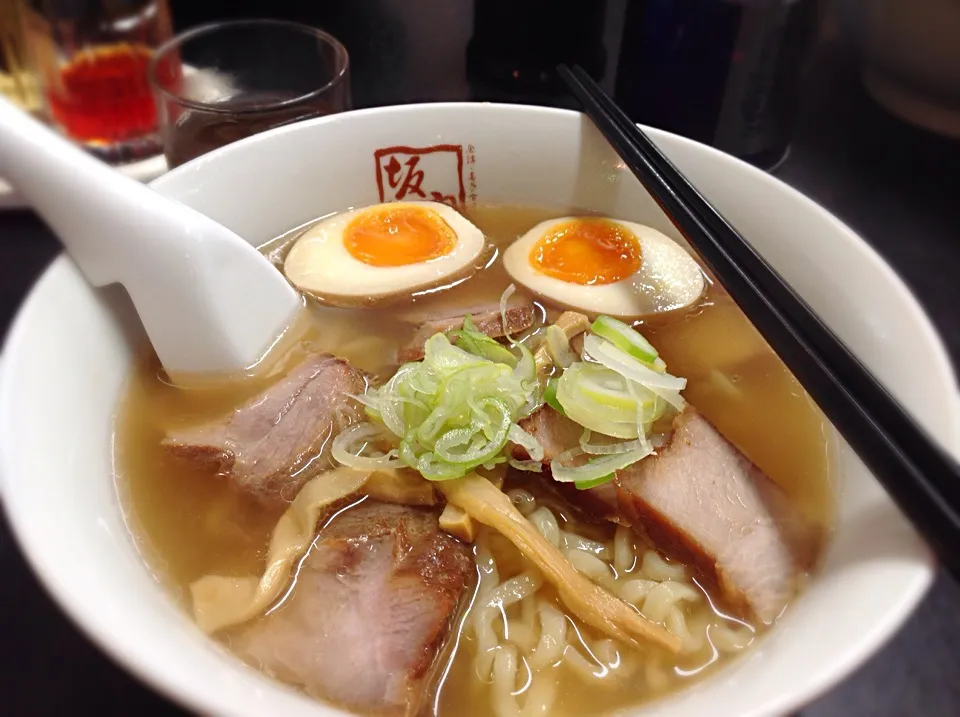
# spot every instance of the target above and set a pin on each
(75, 345)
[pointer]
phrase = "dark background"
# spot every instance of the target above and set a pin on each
(896, 185)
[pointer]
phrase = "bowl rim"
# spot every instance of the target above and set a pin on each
(124, 653)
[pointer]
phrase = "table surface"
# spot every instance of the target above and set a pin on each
(895, 185)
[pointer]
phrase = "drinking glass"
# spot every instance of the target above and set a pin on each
(91, 56)
(221, 82)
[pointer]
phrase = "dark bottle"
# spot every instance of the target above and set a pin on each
(517, 45)
(723, 72)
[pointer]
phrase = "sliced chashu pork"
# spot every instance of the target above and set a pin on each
(271, 445)
(487, 320)
(556, 433)
(701, 500)
(374, 602)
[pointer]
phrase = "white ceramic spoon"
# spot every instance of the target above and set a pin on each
(209, 301)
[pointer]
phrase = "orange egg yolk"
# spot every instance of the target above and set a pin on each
(398, 236)
(587, 251)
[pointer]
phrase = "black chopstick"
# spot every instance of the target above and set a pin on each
(846, 366)
(916, 472)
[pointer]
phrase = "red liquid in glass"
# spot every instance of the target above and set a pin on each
(104, 95)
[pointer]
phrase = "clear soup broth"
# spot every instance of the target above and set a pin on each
(188, 523)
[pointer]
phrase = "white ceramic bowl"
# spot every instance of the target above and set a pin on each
(68, 354)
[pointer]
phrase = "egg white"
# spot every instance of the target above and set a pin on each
(668, 278)
(320, 265)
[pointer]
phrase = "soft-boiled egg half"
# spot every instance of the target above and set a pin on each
(385, 251)
(605, 266)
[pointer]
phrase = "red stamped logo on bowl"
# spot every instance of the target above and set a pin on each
(433, 173)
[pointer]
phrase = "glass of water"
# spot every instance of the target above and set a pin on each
(225, 81)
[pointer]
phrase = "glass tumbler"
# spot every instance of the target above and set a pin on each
(225, 81)
(92, 57)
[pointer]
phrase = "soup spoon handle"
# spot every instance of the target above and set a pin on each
(210, 302)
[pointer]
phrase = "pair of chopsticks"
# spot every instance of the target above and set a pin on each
(921, 478)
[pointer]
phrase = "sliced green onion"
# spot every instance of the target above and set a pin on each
(408, 453)
(442, 356)
(523, 439)
(595, 386)
(490, 465)
(603, 401)
(610, 449)
(625, 338)
(587, 484)
(481, 441)
(456, 410)
(550, 396)
(432, 468)
(529, 466)
(350, 445)
(470, 339)
(370, 402)
(595, 467)
(604, 352)
(609, 388)
(644, 419)
(390, 408)
(662, 384)
(526, 368)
